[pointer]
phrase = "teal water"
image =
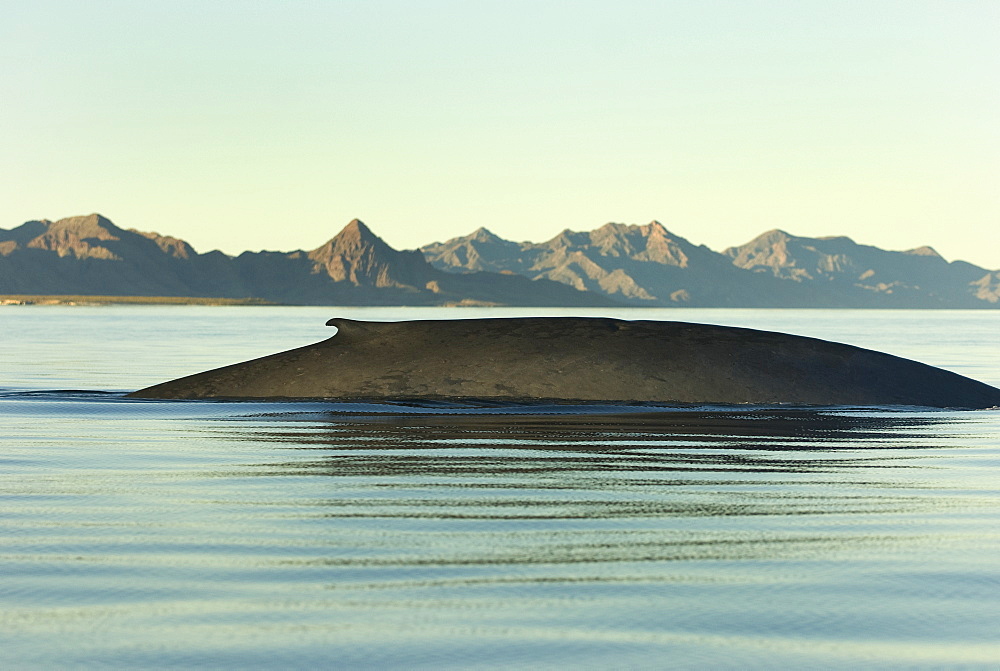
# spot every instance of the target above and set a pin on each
(256, 535)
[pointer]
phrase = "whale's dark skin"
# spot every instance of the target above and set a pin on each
(582, 359)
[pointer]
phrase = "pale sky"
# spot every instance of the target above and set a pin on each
(270, 125)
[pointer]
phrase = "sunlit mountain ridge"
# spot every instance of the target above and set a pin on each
(613, 265)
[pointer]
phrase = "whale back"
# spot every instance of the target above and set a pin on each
(582, 359)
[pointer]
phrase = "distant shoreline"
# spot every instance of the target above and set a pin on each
(614, 266)
(32, 299)
(8, 300)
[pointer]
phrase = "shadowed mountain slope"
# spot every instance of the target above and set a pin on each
(356, 267)
(641, 265)
(92, 256)
(864, 274)
(613, 265)
(650, 266)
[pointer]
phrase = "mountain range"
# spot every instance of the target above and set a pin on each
(614, 265)
(650, 266)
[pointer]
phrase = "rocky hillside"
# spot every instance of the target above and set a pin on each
(92, 256)
(613, 265)
(648, 265)
(914, 278)
(642, 265)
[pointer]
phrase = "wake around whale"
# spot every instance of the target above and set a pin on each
(579, 359)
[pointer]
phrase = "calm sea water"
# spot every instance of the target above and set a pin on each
(261, 535)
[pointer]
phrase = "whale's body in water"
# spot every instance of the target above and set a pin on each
(582, 359)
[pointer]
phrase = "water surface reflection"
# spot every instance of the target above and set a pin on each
(251, 535)
(579, 487)
(795, 441)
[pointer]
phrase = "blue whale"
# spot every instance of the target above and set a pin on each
(579, 359)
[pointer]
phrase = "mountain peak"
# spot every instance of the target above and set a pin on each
(352, 238)
(483, 234)
(655, 230)
(641, 264)
(649, 242)
(926, 250)
(82, 237)
(478, 251)
(88, 226)
(775, 234)
(357, 227)
(360, 257)
(768, 242)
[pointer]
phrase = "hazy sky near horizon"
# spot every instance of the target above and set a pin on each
(269, 125)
